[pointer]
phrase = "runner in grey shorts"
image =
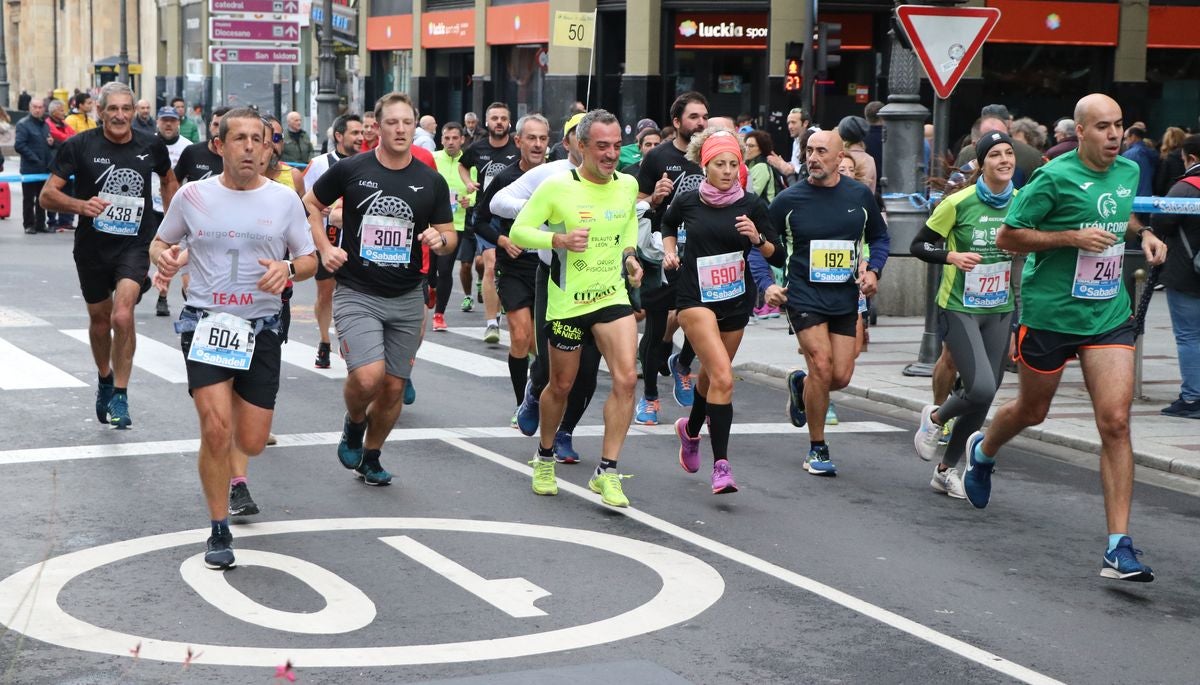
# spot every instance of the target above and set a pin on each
(371, 328)
(396, 218)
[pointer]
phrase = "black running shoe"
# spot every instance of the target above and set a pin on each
(220, 551)
(161, 308)
(322, 361)
(240, 502)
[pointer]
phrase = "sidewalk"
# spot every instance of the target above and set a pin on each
(1159, 442)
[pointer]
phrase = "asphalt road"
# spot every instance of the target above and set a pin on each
(459, 574)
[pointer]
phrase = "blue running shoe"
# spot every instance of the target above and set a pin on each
(564, 452)
(410, 392)
(795, 406)
(818, 463)
(220, 551)
(647, 412)
(104, 393)
(351, 457)
(372, 471)
(977, 481)
(527, 413)
(1122, 563)
(683, 381)
(831, 418)
(118, 411)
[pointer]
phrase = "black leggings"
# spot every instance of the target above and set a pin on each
(654, 351)
(539, 371)
(978, 344)
(441, 278)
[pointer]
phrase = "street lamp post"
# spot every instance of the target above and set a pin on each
(123, 55)
(327, 72)
(4, 101)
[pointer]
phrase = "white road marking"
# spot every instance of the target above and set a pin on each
(11, 317)
(346, 607)
(29, 600)
(476, 333)
(21, 370)
(460, 360)
(301, 355)
(513, 596)
(133, 449)
(152, 356)
(894, 620)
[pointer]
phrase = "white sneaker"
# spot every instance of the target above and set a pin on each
(948, 482)
(926, 437)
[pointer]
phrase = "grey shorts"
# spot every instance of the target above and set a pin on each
(371, 328)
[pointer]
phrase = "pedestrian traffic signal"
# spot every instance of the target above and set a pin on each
(793, 79)
(829, 42)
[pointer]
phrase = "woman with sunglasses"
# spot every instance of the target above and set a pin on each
(714, 294)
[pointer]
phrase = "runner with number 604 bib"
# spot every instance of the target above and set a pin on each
(974, 302)
(239, 227)
(395, 212)
(822, 219)
(112, 166)
(1074, 217)
(715, 294)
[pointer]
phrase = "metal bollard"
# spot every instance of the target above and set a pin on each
(1139, 280)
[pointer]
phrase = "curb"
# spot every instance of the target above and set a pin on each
(1039, 433)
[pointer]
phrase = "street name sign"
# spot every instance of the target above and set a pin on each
(254, 6)
(253, 54)
(253, 31)
(946, 39)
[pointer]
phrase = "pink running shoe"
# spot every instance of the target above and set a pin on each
(689, 447)
(722, 478)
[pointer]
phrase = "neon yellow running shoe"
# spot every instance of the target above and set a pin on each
(544, 482)
(608, 485)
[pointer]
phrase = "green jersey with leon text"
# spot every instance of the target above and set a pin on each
(1065, 289)
(582, 282)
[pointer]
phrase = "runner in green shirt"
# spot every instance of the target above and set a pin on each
(975, 303)
(1073, 217)
(592, 229)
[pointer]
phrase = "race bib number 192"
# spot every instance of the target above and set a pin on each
(830, 261)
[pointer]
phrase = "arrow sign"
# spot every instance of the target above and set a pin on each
(253, 31)
(946, 39)
(254, 6)
(253, 54)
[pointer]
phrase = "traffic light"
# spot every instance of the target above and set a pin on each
(829, 42)
(793, 78)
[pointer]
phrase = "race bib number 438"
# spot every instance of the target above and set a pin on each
(122, 216)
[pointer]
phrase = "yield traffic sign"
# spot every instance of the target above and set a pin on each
(253, 31)
(946, 39)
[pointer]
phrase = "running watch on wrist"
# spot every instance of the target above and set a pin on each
(291, 268)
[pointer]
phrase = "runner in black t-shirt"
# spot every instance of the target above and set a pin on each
(665, 171)
(714, 293)
(201, 160)
(112, 166)
(516, 269)
(489, 157)
(394, 211)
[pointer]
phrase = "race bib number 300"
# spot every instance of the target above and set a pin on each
(1098, 274)
(223, 340)
(122, 216)
(986, 285)
(386, 240)
(722, 277)
(830, 261)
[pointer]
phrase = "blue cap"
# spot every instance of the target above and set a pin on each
(167, 113)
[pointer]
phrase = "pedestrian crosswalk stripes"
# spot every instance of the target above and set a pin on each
(21, 370)
(152, 356)
(301, 355)
(466, 362)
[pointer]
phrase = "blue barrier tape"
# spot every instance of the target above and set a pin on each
(1141, 205)
(916, 199)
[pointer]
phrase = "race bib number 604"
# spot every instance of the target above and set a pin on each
(223, 340)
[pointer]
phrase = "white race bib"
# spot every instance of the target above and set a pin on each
(986, 285)
(830, 261)
(122, 216)
(386, 240)
(223, 340)
(1098, 274)
(722, 277)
